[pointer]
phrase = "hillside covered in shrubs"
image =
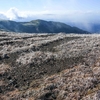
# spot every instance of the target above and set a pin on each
(38, 26)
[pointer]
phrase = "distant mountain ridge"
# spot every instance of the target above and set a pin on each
(38, 26)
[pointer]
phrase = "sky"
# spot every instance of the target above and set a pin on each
(85, 11)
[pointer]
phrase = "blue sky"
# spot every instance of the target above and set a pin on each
(60, 10)
(50, 4)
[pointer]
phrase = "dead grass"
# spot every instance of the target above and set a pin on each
(4, 68)
(49, 67)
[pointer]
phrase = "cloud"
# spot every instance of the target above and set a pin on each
(55, 15)
(12, 13)
(2, 16)
(16, 15)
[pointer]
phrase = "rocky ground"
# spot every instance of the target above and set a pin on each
(49, 66)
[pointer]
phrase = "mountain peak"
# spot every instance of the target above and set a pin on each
(38, 20)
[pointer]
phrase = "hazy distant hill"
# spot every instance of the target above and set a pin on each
(38, 26)
(95, 28)
(90, 27)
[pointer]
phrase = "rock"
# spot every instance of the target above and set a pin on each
(5, 56)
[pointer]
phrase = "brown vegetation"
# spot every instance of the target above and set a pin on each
(49, 67)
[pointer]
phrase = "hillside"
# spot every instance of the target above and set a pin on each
(95, 28)
(90, 27)
(38, 26)
(49, 66)
(11, 26)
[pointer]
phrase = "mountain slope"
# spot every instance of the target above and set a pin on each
(95, 28)
(49, 66)
(11, 26)
(90, 27)
(38, 26)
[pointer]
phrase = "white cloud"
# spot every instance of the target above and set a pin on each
(2, 16)
(17, 15)
(12, 13)
(57, 15)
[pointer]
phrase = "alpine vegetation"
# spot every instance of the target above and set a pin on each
(49, 66)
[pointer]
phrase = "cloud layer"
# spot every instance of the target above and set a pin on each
(16, 15)
(56, 15)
